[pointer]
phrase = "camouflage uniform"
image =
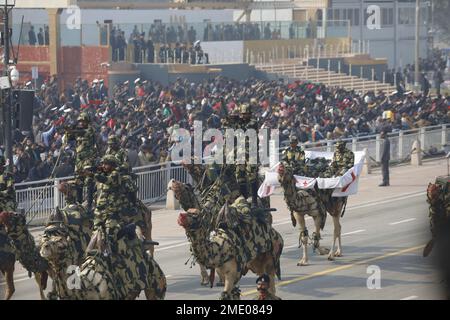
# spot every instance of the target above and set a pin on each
(247, 174)
(294, 156)
(7, 203)
(120, 153)
(7, 191)
(343, 159)
(110, 198)
(86, 155)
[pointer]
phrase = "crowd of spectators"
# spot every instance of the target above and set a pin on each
(431, 68)
(144, 114)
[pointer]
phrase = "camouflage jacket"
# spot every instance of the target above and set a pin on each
(294, 157)
(86, 146)
(342, 162)
(122, 157)
(7, 193)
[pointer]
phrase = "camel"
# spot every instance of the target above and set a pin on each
(302, 203)
(7, 262)
(26, 251)
(92, 270)
(231, 251)
(228, 248)
(438, 214)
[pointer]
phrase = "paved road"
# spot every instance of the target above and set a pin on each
(388, 234)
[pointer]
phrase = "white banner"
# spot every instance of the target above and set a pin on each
(344, 185)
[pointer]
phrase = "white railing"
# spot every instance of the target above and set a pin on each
(39, 198)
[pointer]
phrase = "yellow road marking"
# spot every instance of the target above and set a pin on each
(344, 267)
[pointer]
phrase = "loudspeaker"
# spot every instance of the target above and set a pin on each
(23, 104)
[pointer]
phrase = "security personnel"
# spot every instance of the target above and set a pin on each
(86, 155)
(294, 156)
(120, 153)
(110, 198)
(263, 285)
(7, 191)
(247, 174)
(75, 215)
(343, 159)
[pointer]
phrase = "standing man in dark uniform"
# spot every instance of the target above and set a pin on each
(263, 285)
(385, 157)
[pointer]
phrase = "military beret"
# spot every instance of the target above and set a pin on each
(263, 279)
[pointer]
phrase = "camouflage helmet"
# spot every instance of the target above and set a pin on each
(245, 109)
(113, 140)
(110, 159)
(83, 117)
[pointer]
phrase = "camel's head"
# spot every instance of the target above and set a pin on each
(54, 244)
(4, 217)
(177, 187)
(433, 192)
(14, 222)
(189, 220)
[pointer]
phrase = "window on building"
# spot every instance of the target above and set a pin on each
(387, 17)
(356, 19)
(336, 15)
(406, 16)
(330, 14)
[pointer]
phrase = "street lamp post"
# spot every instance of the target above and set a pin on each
(417, 70)
(6, 7)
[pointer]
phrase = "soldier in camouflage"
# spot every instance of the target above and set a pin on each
(120, 153)
(86, 155)
(343, 159)
(7, 191)
(75, 216)
(294, 156)
(263, 285)
(7, 203)
(247, 174)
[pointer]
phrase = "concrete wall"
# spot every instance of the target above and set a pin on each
(224, 51)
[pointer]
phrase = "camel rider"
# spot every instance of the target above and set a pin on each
(75, 216)
(263, 285)
(343, 159)
(120, 153)
(247, 174)
(294, 156)
(7, 203)
(7, 191)
(110, 196)
(86, 155)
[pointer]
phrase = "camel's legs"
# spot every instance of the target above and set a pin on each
(38, 277)
(228, 271)
(337, 234)
(204, 274)
(303, 238)
(317, 222)
(9, 277)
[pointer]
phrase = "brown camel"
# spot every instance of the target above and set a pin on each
(302, 203)
(222, 249)
(64, 246)
(25, 247)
